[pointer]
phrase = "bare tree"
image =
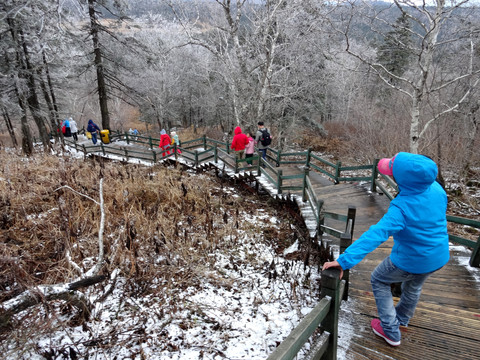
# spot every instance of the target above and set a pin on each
(420, 82)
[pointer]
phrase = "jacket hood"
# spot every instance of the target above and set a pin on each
(414, 173)
(90, 121)
(237, 130)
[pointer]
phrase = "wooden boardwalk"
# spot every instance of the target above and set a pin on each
(446, 324)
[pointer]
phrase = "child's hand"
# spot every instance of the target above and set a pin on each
(333, 264)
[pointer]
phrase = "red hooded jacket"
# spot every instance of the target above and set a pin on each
(240, 140)
(164, 141)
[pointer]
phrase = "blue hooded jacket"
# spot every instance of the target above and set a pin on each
(92, 127)
(416, 219)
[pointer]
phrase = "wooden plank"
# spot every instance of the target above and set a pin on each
(289, 347)
(446, 324)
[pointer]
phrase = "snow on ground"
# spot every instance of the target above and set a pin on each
(244, 318)
(461, 255)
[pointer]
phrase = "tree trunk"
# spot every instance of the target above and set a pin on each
(32, 98)
(470, 148)
(415, 122)
(22, 68)
(57, 129)
(27, 143)
(51, 110)
(102, 88)
(11, 130)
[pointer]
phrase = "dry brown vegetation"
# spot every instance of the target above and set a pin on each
(162, 226)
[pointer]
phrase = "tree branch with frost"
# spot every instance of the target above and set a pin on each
(374, 65)
(44, 293)
(450, 109)
(96, 268)
(66, 292)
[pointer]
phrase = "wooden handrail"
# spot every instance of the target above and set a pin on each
(306, 188)
(325, 313)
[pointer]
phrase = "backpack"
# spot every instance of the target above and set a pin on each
(266, 139)
(64, 129)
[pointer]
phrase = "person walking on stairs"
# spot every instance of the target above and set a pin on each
(416, 219)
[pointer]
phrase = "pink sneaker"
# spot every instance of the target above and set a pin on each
(378, 330)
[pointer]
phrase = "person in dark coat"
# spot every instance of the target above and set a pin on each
(93, 128)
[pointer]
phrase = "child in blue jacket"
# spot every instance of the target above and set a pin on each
(417, 221)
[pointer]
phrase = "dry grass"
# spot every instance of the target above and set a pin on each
(163, 225)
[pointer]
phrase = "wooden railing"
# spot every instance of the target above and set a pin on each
(325, 313)
(204, 149)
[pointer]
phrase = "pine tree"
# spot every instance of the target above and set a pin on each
(395, 52)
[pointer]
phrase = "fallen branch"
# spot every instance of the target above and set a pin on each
(43, 293)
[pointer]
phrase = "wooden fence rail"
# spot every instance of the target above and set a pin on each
(325, 313)
(333, 290)
(306, 158)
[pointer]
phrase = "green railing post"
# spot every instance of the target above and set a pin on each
(345, 242)
(279, 155)
(306, 171)
(236, 165)
(154, 156)
(205, 142)
(215, 153)
(196, 158)
(227, 146)
(373, 186)
(307, 161)
(351, 213)
(337, 171)
(319, 217)
(279, 181)
(126, 138)
(331, 287)
(175, 151)
(150, 142)
(126, 153)
(475, 258)
(103, 149)
(259, 164)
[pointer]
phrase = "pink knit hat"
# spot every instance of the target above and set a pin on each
(385, 166)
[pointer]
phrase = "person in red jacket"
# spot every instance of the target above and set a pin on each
(164, 142)
(240, 140)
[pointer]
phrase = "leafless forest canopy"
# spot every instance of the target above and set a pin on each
(380, 77)
(357, 80)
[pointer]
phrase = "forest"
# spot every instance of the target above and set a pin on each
(189, 266)
(380, 76)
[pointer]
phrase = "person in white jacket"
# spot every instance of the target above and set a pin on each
(73, 129)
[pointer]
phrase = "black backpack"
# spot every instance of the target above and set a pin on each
(266, 139)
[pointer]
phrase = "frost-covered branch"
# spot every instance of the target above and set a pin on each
(42, 293)
(96, 269)
(67, 291)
